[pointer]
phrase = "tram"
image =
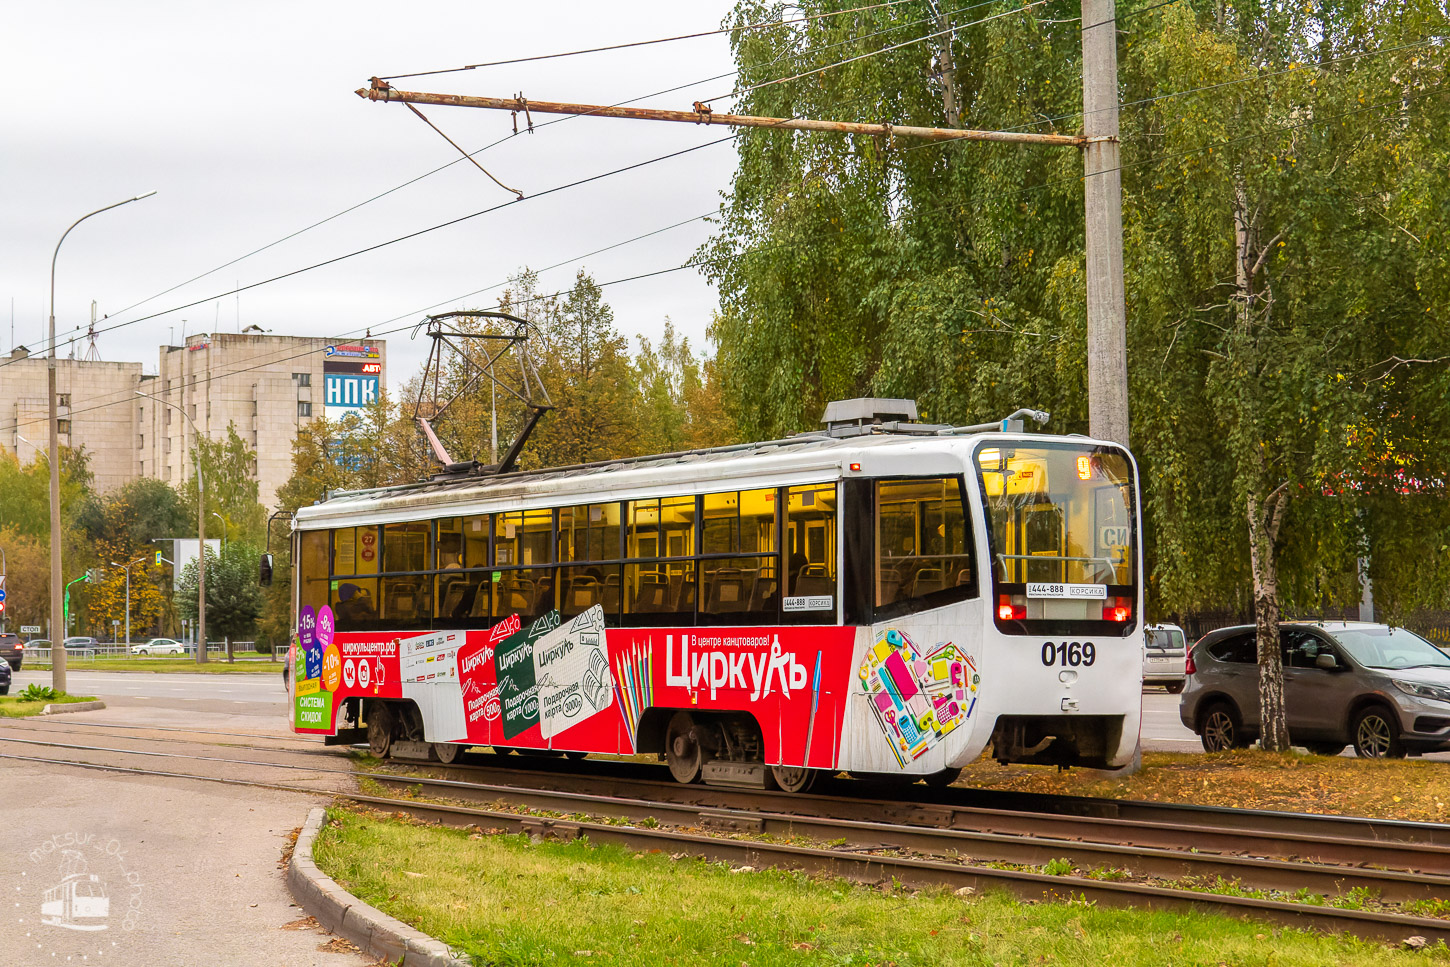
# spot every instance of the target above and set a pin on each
(882, 597)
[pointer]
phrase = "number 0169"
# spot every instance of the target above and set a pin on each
(1069, 653)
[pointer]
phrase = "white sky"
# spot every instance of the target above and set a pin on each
(243, 118)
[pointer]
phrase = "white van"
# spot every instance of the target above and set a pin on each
(1165, 652)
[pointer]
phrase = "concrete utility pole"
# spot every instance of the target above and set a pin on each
(57, 606)
(1107, 338)
(1107, 359)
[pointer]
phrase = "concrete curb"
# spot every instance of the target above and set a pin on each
(376, 933)
(72, 707)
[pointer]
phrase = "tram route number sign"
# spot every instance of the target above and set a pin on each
(1067, 591)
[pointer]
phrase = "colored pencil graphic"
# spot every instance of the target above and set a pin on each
(815, 703)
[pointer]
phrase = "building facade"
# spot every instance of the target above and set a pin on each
(266, 386)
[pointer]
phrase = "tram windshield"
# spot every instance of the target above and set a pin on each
(1062, 531)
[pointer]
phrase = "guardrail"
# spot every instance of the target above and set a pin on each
(117, 650)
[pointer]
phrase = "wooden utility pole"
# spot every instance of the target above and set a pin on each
(1107, 340)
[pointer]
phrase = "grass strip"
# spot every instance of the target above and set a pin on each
(1409, 789)
(509, 901)
(18, 706)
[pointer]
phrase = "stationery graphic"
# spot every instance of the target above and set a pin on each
(571, 669)
(634, 670)
(514, 670)
(917, 699)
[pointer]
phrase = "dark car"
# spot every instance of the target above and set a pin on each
(1384, 690)
(12, 650)
(6, 675)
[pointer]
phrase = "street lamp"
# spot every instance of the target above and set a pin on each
(226, 526)
(57, 617)
(200, 530)
(127, 568)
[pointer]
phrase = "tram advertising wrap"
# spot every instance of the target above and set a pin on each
(576, 685)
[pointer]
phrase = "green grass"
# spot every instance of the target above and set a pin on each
(141, 663)
(508, 901)
(18, 706)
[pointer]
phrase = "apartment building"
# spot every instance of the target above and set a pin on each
(266, 386)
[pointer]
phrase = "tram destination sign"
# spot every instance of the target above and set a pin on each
(1067, 591)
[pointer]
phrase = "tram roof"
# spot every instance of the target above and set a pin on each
(796, 461)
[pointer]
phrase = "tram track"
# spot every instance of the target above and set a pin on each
(917, 854)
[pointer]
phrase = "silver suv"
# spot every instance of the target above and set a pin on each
(1384, 690)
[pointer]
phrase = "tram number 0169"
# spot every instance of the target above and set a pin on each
(1069, 653)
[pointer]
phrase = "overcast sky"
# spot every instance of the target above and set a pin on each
(244, 120)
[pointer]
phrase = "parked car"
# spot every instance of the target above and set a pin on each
(12, 650)
(1165, 654)
(1384, 690)
(79, 641)
(159, 646)
(6, 676)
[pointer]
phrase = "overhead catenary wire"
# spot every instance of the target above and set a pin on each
(323, 221)
(697, 263)
(645, 43)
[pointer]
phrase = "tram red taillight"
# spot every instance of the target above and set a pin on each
(1118, 609)
(1011, 607)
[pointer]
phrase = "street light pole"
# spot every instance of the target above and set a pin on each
(127, 568)
(200, 530)
(57, 616)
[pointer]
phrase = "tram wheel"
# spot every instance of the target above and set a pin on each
(944, 778)
(380, 729)
(447, 752)
(682, 749)
(793, 778)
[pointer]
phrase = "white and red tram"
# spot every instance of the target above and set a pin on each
(884, 598)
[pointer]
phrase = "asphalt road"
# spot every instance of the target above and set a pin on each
(190, 871)
(244, 693)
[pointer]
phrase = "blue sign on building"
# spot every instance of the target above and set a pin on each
(345, 392)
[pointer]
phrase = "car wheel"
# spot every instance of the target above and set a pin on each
(1219, 729)
(1377, 734)
(1324, 748)
(1173, 688)
(5, 690)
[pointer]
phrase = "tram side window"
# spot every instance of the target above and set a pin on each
(923, 546)
(811, 553)
(658, 587)
(312, 570)
(744, 588)
(589, 533)
(406, 594)
(523, 541)
(462, 543)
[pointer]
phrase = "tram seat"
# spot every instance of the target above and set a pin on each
(813, 580)
(927, 580)
(652, 597)
(451, 594)
(400, 599)
(611, 597)
(964, 576)
(728, 591)
(582, 594)
(682, 592)
(479, 608)
(762, 597)
(516, 597)
(543, 596)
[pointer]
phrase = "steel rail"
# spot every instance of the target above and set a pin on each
(1342, 849)
(870, 868)
(1028, 850)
